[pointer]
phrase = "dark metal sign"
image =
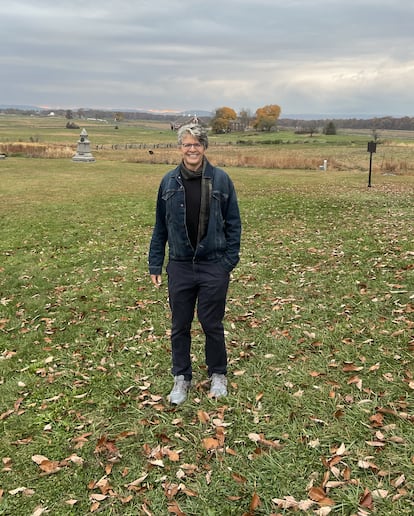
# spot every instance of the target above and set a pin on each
(372, 147)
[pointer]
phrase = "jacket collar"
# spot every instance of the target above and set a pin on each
(208, 171)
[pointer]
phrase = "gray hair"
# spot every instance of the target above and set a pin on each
(195, 130)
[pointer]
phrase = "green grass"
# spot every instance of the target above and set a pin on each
(319, 331)
(22, 128)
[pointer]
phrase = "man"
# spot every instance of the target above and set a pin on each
(197, 213)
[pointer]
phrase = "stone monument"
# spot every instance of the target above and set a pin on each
(83, 152)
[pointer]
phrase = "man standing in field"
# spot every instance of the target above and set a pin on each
(197, 213)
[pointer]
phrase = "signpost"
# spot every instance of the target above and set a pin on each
(372, 147)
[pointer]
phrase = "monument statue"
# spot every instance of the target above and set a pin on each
(83, 152)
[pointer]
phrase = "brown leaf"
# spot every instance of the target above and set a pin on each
(50, 466)
(259, 396)
(158, 462)
(398, 481)
(203, 417)
(187, 490)
(366, 500)
(170, 490)
(132, 485)
(351, 367)
(239, 478)
(124, 435)
(6, 414)
(174, 508)
(220, 435)
(255, 502)
(97, 497)
(341, 450)
(209, 443)
(25, 490)
(71, 502)
(355, 380)
(316, 494)
(377, 420)
(81, 440)
(38, 459)
(107, 447)
(260, 439)
(376, 444)
(379, 494)
(288, 502)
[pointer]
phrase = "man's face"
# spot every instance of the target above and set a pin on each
(192, 152)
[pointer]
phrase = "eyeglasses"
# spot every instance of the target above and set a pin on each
(189, 145)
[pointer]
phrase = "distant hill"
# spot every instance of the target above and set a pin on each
(21, 107)
(187, 112)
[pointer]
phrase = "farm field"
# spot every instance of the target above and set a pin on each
(319, 417)
(154, 142)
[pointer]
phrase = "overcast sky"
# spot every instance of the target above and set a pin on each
(347, 57)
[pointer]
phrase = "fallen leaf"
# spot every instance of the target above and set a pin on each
(239, 478)
(38, 459)
(398, 481)
(203, 417)
(75, 459)
(39, 510)
(209, 443)
(174, 508)
(159, 463)
(260, 439)
(350, 367)
(366, 464)
(97, 497)
(255, 502)
(71, 502)
(379, 494)
(6, 414)
(136, 482)
(288, 502)
(366, 500)
(107, 447)
(377, 420)
(25, 490)
(316, 494)
(341, 449)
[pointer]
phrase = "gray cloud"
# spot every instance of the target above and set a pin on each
(321, 56)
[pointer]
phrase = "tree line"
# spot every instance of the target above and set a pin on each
(226, 118)
(398, 124)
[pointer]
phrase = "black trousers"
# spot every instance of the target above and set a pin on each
(202, 285)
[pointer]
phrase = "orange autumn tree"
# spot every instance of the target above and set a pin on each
(222, 119)
(266, 117)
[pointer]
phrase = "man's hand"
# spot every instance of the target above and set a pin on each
(156, 279)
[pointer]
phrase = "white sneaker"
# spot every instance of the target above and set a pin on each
(180, 390)
(218, 385)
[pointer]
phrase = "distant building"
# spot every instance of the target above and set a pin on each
(189, 119)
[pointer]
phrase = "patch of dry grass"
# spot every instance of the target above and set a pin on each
(390, 159)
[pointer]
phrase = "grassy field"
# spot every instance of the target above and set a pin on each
(319, 418)
(153, 142)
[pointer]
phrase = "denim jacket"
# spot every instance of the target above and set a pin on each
(221, 243)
